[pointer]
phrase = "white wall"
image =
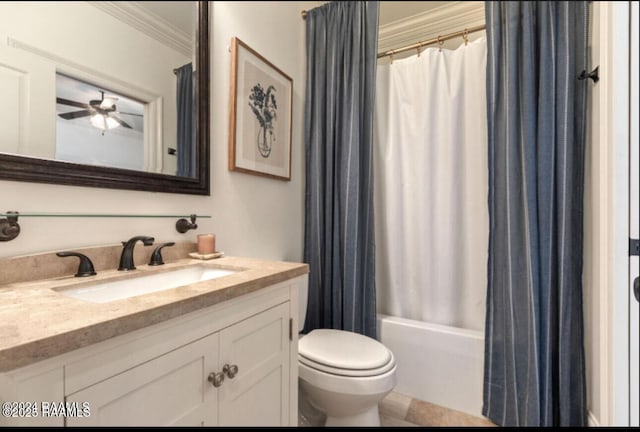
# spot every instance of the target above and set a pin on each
(252, 216)
(634, 217)
(85, 144)
(267, 215)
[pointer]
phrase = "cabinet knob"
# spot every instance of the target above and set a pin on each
(231, 371)
(216, 379)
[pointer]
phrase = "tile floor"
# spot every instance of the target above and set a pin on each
(398, 410)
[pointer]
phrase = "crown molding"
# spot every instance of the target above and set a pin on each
(452, 17)
(149, 23)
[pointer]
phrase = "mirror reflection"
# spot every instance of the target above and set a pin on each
(97, 126)
(100, 83)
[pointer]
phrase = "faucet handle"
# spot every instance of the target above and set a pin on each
(156, 255)
(86, 266)
(183, 225)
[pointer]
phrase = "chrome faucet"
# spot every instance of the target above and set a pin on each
(126, 259)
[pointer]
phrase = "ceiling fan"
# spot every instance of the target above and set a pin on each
(101, 112)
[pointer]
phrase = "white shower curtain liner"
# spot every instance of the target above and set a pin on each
(431, 172)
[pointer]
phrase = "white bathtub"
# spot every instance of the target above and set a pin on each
(438, 364)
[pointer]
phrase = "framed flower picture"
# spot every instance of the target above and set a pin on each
(260, 115)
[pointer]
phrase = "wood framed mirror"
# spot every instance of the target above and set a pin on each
(32, 147)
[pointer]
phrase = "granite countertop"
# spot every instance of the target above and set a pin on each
(37, 323)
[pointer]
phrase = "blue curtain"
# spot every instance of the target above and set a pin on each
(339, 237)
(536, 108)
(186, 121)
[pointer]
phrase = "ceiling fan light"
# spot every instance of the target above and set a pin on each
(111, 122)
(98, 121)
(103, 122)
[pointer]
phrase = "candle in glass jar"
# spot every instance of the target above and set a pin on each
(206, 243)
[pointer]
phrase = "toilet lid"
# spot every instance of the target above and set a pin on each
(347, 372)
(343, 350)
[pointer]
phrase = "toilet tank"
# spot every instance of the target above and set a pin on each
(303, 296)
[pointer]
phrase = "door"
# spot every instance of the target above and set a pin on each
(27, 89)
(634, 222)
(170, 390)
(258, 395)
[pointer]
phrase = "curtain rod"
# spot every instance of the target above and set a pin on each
(438, 39)
(418, 45)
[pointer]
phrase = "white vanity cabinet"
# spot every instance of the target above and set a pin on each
(169, 390)
(259, 347)
(174, 374)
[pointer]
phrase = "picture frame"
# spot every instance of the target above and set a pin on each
(260, 115)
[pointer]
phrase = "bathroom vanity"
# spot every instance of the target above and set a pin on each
(217, 352)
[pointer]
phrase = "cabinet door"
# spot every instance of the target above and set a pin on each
(259, 393)
(35, 388)
(170, 390)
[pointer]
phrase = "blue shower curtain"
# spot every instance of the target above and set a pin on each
(536, 110)
(339, 236)
(186, 121)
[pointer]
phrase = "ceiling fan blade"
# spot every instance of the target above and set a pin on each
(122, 123)
(64, 101)
(131, 114)
(75, 114)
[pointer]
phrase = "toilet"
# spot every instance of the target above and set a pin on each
(343, 375)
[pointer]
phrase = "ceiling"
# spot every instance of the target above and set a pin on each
(180, 14)
(391, 11)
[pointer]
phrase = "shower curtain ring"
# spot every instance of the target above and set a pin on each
(440, 42)
(418, 49)
(465, 36)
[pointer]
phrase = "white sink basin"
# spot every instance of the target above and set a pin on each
(116, 290)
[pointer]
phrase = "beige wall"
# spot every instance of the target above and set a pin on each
(252, 216)
(593, 273)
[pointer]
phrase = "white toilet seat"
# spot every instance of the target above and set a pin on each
(342, 361)
(341, 351)
(347, 372)
(366, 385)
